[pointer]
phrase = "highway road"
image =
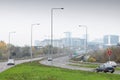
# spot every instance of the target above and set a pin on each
(4, 66)
(63, 62)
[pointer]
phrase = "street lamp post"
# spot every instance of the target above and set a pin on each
(10, 43)
(86, 37)
(51, 50)
(31, 39)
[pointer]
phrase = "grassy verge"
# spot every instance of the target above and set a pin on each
(89, 65)
(36, 71)
(85, 65)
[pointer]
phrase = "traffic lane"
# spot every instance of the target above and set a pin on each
(63, 62)
(4, 66)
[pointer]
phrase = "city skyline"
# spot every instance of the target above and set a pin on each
(100, 16)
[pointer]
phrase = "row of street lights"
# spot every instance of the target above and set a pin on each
(31, 40)
(51, 50)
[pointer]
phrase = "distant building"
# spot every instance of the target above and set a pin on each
(57, 43)
(68, 42)
(110, 40)
(75, 42)
(95, 44)
(68, 39)
(45, 42)
(37, 43)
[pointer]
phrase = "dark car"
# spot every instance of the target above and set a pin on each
(105, 68)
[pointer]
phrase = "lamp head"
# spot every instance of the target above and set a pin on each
(80, 25)
(62, 8)
(38, 24)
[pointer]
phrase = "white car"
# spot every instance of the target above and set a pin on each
(11, 62)
(50, 59)
(112, 63)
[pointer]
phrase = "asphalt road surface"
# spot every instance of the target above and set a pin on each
(63, 62)
(4, 66)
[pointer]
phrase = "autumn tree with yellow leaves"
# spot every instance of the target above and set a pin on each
(3, 49)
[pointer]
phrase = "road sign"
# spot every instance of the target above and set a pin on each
(109, 52)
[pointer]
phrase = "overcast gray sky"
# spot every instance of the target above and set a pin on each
(100, 16)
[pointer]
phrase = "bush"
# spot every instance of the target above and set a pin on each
(102, 56)
(91, 59)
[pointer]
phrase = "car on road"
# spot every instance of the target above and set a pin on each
(105, 68)
(11, 62)
(50, 59)
(113, 63)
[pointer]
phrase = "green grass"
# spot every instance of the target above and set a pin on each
(36, 71)
(88, 65)
(117, 68)
(85, 65)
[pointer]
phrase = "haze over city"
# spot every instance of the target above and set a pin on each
(100, 16)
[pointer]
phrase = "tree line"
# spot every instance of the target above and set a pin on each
(102, 55)
(11, 51)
